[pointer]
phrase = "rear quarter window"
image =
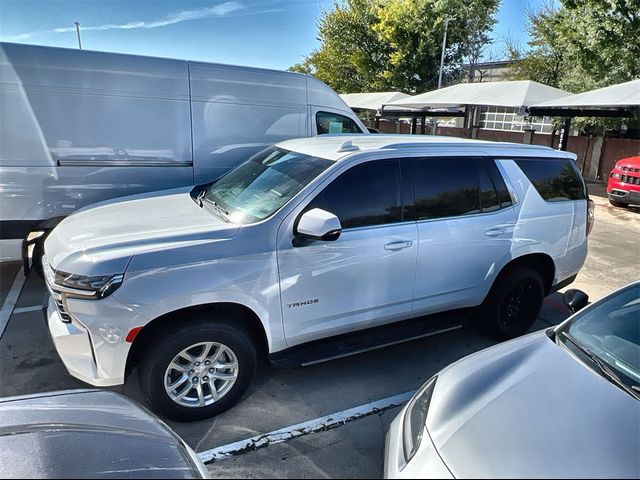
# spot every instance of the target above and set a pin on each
(556, 180)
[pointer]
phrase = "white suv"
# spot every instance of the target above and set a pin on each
(312, 249)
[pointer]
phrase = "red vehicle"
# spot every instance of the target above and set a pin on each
(623, 188)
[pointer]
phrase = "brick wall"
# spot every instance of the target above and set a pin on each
(500, 136)
(614, 149)
(454, 132)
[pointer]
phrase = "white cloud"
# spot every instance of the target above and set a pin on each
(220, 10)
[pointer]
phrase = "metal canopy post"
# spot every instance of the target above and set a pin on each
(564, 134)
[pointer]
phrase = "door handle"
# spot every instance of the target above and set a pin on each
(398, 245)
(495, 232)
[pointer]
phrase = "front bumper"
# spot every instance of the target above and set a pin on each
(92, 349)
(426, 463)
(619, 194)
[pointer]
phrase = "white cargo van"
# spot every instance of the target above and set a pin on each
(78, 127)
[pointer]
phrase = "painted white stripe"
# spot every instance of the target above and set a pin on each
(34, 308)
(10, 302)
(327, 422)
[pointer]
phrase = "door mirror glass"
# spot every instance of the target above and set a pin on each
(575, 300)
(318, 224)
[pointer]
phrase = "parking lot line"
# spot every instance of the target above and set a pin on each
(34, 308)
(320, 424)
(11, 300)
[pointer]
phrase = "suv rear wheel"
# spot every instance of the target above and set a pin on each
(513, 304)
(197, 371)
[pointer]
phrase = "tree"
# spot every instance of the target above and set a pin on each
(605, 36)
(547, 61)
(350, 55)
(475, 20)
(581, 46)
(377, 45)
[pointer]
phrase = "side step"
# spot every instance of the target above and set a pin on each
(332, 348)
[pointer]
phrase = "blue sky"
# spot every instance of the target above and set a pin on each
(262, 33)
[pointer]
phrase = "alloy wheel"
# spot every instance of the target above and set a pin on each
(201, 374)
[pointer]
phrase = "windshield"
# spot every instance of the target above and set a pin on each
(610, 331)
(259, 187)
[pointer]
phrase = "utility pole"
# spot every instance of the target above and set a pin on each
(77, 24)
(444, 47)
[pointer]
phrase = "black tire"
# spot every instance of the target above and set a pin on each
(166, 345)
(618, 204)
(513, 304)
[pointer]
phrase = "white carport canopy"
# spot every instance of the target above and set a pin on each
(615, 100)
(517, 94)
(371, 101)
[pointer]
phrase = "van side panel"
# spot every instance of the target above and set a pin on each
(80, 127)
(238, 111)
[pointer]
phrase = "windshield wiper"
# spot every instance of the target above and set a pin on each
(200, 197)
(223, 214)
(605, 370)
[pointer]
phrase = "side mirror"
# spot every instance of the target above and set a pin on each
(575, 300)
(318, 224)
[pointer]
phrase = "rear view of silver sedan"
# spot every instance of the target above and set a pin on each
(553, 404)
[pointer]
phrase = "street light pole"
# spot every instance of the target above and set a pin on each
(444, 47)
(77, 24)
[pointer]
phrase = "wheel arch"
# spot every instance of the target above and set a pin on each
(540, 262)
(243, 316)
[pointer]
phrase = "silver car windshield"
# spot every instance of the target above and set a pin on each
(259, 187)
(610, 331)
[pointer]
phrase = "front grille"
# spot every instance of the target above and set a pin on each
(630, 179)
(631, 169)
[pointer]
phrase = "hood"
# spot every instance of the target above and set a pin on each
(87, 434)
(528, 409)
(631, 162)
(101, 239)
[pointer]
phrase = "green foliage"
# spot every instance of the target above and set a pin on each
(581, 46)
(380, 45)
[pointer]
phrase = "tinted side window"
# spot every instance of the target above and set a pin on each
(334, 123)
(488, 196)
(445, 187)
(498, 181)
(367, 194)
(554, 179)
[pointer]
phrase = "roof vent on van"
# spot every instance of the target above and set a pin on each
(348, 146)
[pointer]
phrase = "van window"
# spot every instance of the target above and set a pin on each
(333, 123)
(555, 179)
(366, 195)
(445, 187)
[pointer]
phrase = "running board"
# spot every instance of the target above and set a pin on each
(333, 348)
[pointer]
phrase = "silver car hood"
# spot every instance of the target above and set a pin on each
(101, 239)
(528, 408)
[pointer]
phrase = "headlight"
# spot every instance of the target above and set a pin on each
(96, 287)
(616, 175)
(415, 418)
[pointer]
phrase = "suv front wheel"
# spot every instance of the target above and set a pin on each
(513, 304)
(197, 371)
